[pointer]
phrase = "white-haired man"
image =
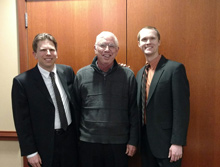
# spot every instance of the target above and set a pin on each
(105, 94)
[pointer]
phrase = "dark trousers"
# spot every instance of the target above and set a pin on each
(103, 155)
(65, 148)
(149, 160)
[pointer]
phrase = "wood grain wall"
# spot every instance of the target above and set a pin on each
(75, 25)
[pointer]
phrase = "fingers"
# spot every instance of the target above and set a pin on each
(124, 65)
(175, 158)
(175, 153)
(35, 161)
(35, 164)
(127, 151)
(131, 150)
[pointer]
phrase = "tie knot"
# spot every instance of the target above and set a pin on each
(52, 74)
(147, 66)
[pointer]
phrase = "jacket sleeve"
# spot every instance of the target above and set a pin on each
(181, 106)
(22, 118)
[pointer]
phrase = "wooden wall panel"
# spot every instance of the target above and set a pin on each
(190, 33)
(75, 25)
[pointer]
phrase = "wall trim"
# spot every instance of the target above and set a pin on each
(8, 135)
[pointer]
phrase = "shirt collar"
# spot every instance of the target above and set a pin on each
(46, 73)
(101, 70)
(154, 62)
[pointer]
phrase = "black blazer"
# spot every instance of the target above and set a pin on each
(167, 109)
(34, 112)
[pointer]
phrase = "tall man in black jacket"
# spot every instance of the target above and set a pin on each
(164, 109)
(42, 136)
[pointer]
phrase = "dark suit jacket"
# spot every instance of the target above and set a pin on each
(167, 109)
(34, 112)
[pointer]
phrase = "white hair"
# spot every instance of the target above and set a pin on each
(103, 34)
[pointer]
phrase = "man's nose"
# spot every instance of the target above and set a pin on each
(148, 41)
(107, 47)
(48, 52)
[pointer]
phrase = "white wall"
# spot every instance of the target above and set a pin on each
(8, 60)
(9, 150)
(10, 154)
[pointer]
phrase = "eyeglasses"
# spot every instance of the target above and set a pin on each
(110, 46)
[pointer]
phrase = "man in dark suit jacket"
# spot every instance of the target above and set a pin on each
(35, 110)
(166, 107)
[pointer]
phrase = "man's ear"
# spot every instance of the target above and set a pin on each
(34, 54)
(95, 49)
(139, 44)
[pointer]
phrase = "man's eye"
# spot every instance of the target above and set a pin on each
(45, 50)
(111, 46)
(102, 46)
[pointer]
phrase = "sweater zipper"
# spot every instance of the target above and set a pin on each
(104, 79)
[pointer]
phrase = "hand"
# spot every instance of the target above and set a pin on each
(124, 65)
(175, 153)
(35, 161)
(130, 151)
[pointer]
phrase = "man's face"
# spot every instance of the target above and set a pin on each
(149, 42)
(46, 54)
(106, 51)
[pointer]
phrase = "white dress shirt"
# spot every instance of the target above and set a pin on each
(47, 80)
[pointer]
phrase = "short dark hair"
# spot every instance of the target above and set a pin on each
(42, 37)
(149, 27)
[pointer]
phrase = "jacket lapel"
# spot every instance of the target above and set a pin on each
(157, 75)
(40, 83)
(63, 80)
(139, 81)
